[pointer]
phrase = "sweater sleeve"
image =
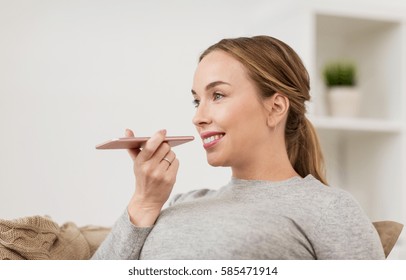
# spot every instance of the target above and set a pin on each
(124, 242)
(345, 232)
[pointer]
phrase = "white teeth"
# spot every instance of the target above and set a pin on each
(212, 138)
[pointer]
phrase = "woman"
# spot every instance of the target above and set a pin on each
(250, 98)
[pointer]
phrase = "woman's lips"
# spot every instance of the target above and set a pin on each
(211, 138)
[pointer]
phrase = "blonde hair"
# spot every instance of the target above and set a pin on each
(275, 67)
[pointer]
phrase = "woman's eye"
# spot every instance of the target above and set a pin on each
(196, 103)
(217, 96)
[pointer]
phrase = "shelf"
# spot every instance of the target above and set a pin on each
(364, 155)
(375, 46)
(356, 124)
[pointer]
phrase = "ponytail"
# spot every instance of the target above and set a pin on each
(304, 150)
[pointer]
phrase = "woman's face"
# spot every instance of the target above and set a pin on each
(230, 116)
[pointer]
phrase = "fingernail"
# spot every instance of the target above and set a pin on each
(163, 132)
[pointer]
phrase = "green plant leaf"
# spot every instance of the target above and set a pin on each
(339, 73)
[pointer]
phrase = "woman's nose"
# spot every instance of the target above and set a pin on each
(202, 115)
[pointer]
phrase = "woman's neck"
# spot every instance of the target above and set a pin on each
(266, 166)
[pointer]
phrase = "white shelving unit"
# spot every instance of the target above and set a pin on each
(357, 125)
(365, 155)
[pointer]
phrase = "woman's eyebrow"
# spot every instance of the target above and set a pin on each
(216, 83)
(212, 85)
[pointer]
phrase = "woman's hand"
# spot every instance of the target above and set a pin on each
(155, 169)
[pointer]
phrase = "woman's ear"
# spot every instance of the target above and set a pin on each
(277, 107)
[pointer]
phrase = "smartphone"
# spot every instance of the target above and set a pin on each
(138, 142)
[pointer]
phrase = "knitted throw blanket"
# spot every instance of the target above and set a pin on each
(40, 238)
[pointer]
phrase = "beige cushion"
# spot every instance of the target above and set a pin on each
(40, 238)
(94, 236)
(389, 232)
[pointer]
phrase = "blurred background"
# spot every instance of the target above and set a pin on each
(75, 73)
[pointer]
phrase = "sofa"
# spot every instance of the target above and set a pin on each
(41, 238)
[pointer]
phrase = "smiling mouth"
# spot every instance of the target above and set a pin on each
(212, 139)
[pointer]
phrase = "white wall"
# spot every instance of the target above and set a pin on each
(75, 73)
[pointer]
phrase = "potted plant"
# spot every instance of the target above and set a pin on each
(343, 96)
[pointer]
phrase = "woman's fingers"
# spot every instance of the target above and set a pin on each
(129, 133)
(156, 151)
(172, 171)
(152, 146)
(132, 152)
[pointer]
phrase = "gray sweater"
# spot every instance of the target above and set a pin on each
(299, 218)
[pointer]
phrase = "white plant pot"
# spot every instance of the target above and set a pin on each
(343, 101)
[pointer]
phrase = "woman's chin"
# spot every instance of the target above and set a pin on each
(215, 162)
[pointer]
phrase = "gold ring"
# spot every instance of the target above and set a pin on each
(167, 160)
